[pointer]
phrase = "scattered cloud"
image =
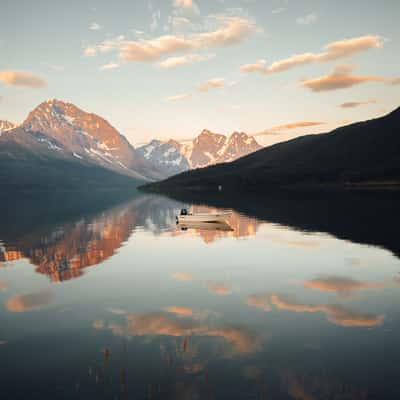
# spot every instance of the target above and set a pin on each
(353, 104)
(211, 84)
(187, 5)
(109, 66)
(94, 26)
(336, 314)
(89, 51)
(231, 30)
(184, 3)
(29, 302)
(394, 81)
(137, 32)
(332, 51)
(22, 79)
(344, 287)
(276, 130)
(182, 276)
(219, 288)
(295, 125)
(183, 96)
(55, 67)
(307, 19)
(179, 310)
(340, 78)
(173, 62)
(155, 18)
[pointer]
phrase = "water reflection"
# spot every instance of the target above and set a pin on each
(62, 252)
(194, 313)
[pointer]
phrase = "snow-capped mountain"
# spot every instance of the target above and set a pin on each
(210, 148)
(165, 156)
(206, 149)
(64, 128)
(6, 126)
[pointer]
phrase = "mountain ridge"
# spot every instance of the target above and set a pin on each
(333, 158)
(206, 149)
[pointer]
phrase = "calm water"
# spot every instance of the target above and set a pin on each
(120, 303)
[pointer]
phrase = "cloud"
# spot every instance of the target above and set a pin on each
(187, 5)
(184, 3)
(341, 285)
(211, 84)
(353, 104)
(219, 288)
(54, 67)
(231, 30)
(332, 51)
(307, 19)
(276, 130)
(22, 79)
(179, 310)
(178, 97)
(94, 26)
(155, 18)
(340, 78)
(29, 302)
(295, 125)
(89, 51)
(336, 314)
(109, 66)
(173, 62)
(395, 81)
(182, 276)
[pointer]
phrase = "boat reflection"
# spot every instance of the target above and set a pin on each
(62, 248)
(206, 226)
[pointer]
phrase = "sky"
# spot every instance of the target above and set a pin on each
(171, 68)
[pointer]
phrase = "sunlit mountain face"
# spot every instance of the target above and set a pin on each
(253, 309)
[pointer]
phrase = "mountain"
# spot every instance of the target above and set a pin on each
(60, 146)
(165, 156)
(5, 126)
(206, 149)
(63, 127)
(210, 148)
(364, 153)
(30, 164)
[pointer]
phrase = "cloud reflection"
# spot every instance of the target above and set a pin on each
(336, 314)
(174, 324)
(219, 288)
(29, 302)
(182, 276)
(343, 286)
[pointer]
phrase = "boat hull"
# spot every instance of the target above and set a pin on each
(220, 217)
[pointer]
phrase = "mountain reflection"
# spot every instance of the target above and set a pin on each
(63, 249)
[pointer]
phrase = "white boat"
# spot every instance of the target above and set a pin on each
(184, 217)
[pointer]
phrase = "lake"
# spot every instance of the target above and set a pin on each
(110, 299)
